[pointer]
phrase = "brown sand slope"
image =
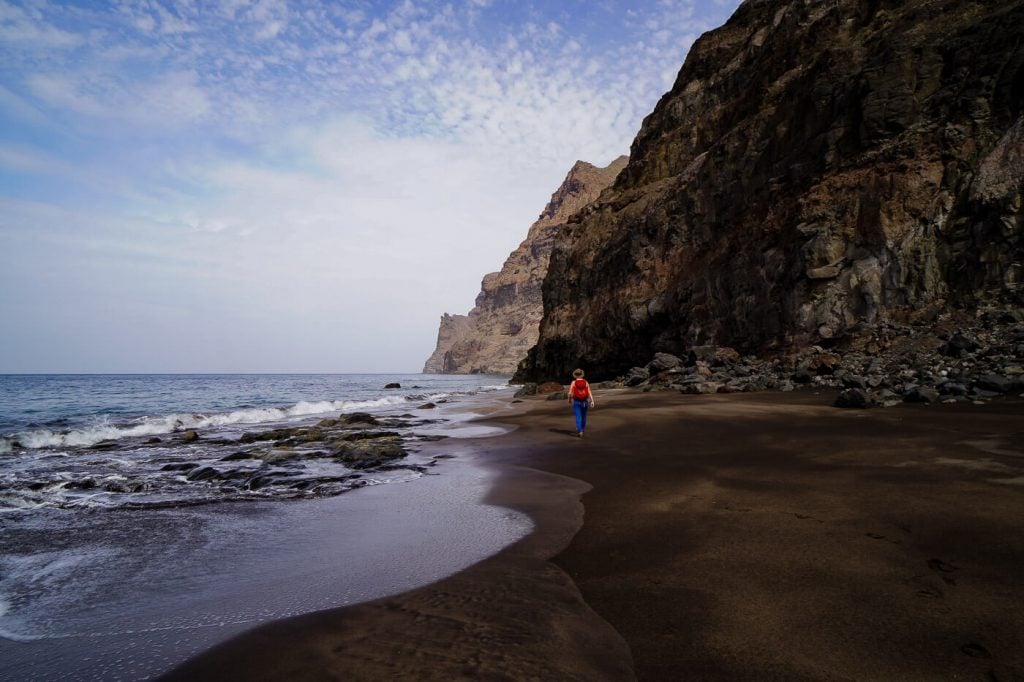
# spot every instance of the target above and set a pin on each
(764, 536)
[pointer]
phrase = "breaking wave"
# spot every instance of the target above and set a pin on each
(171, 423)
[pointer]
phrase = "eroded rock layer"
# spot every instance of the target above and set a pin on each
(817, 168)
(496, 335)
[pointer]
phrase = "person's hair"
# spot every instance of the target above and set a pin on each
(578, 373)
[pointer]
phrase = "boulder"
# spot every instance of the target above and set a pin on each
(662, 362)
(189, 436)
(528, 389)
(921, 394)
(961, 344)
(549, 387)
(637, 376)
(358, 418)
(201, 474)
(725, 356)
(853, 397)
(393, 385)
(994, 382)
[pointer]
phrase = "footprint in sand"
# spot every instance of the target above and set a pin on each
(943, 569)
(975, 650)
(940, 566)
(930, 592)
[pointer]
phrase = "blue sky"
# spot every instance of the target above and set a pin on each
(233, 186)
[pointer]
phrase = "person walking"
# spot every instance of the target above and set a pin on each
(580, 397)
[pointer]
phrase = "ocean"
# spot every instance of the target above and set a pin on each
(144, 518)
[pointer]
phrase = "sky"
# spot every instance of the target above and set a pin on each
(280, 186)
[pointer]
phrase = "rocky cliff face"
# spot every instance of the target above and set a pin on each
(496, 335)
(819, 167)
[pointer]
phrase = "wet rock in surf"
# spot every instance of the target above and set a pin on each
(358, 418)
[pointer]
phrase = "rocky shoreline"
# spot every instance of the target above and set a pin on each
(957, 358)
(359, 441)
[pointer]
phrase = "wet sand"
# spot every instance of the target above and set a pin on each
(752, 536)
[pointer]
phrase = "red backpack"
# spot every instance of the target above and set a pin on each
(580, 389)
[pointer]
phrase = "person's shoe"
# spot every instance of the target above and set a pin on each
(579, 434)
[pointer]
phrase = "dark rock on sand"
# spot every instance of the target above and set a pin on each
(921, 394)
(853, 397)
(637, 376)
(528, 389)
(549, 387)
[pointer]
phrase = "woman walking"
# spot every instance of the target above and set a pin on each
(580, 398)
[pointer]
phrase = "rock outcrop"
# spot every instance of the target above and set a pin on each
(496, 335)
(818, 168)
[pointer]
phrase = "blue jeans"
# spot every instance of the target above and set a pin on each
(580, 408)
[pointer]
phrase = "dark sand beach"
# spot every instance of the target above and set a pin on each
(724, 537)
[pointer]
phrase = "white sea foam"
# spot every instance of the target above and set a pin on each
(155, 426)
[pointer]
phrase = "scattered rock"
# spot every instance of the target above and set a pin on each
(359, 418)
(202, 474)
(549, 387)
(189, 436)
(662, 362)
(153, 441)
(853, 397)
(921, 394)
(427, 406)
(528, 389)
(183, 466)
(637, 376)
(393, 385)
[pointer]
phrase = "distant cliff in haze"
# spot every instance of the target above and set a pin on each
(496, 335)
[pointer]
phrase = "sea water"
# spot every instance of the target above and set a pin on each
(113, 565)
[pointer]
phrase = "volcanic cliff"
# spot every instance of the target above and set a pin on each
(496, 335)
(818, 168)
